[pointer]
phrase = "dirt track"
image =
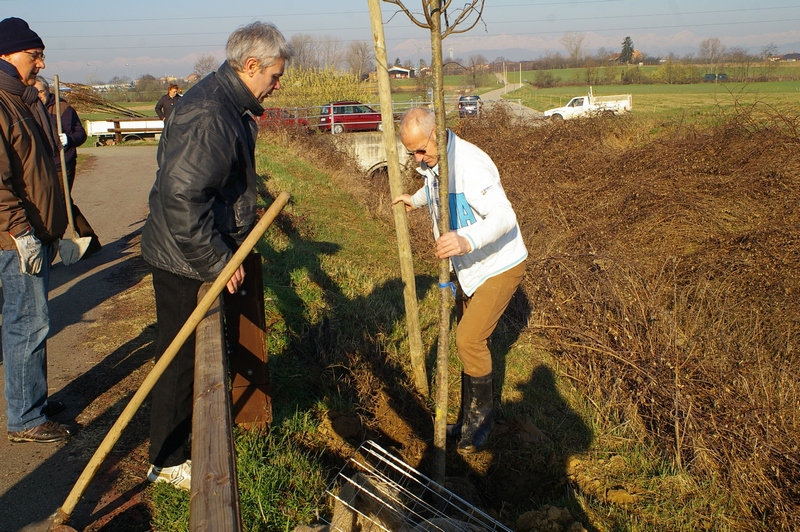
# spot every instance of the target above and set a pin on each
(111, 190)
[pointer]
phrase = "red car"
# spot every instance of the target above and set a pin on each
(275, 117)
(349, 116)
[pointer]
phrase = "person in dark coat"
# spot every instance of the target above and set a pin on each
(202, 206)
(32, 219)
(71, 136)
(167, 102)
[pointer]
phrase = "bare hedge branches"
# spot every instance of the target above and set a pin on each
(468, 16)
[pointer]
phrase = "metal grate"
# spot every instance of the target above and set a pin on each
(376, 491)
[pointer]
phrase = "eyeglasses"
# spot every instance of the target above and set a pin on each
(424, 150)
(35, 56)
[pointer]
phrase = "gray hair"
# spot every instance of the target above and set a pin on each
(419, 119)
(40, 79)
(260, 40)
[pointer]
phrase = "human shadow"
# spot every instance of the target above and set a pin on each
(525, 463)
(36, 496)
(117, 267)
(351, 373)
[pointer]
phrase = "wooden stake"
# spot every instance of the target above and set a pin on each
(396, 188)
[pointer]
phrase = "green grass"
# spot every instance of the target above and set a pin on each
(579, 75)
(691, 100)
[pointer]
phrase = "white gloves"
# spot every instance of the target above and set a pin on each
(64, 139)
(30, 252)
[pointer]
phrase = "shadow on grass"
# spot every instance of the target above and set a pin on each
(338, 360)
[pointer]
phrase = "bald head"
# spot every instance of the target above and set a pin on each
(418, 120)
(417, 133)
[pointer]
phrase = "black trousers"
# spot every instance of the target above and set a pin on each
(82, 226)
(171, 410)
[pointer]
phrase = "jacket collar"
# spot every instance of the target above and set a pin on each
(237, 90)
(8, 68)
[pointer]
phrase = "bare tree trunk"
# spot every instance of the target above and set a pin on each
(396, 187)
(445, 297)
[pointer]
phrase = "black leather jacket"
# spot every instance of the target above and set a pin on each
(203, 202)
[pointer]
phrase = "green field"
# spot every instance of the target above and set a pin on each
(699, 99)
(571, 75)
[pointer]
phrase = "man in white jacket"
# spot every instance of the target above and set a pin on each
(486, 252)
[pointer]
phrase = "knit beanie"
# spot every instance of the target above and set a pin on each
(15, 36)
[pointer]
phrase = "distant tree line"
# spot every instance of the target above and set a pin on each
(607, 66)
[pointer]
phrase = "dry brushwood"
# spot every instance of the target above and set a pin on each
(85, 99)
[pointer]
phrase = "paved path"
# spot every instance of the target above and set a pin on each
(493, 97)
(112, 192)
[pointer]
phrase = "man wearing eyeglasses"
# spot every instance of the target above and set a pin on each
(486, 252)
(32, 219)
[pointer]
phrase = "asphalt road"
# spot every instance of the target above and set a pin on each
(112, 193)
(523, 113)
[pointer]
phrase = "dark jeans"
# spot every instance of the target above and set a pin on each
(26, 323)
(171, 410)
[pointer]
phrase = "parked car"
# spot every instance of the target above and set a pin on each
(274, 116)
(469, 106)
(349, 116)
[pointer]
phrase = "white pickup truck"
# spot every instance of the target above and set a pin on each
(119, 130)
(591, 105)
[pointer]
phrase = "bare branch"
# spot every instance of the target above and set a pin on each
(410, 15)
(466, 12)
(470, 9)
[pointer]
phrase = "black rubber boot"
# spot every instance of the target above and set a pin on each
(454, 431)
(479, 418)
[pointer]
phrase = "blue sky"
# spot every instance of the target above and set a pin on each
(103, 39)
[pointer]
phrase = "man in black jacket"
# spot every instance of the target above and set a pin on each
(167, 102)
(202, 206)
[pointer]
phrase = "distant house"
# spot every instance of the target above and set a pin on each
(399, 72)
(791, 58)
(636, 57)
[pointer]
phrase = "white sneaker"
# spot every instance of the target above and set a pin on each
(179, 476)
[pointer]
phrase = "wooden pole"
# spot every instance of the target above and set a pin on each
(62, 514)
(445, 295)
(396, 188)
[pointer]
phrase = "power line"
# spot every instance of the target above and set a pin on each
(576, 19)
(293, 15)
(400, 39)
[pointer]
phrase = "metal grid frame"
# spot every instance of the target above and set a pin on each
(384, 493)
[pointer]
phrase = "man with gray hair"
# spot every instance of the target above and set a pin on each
(202, 206)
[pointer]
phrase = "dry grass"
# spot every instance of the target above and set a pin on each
(666, 271)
